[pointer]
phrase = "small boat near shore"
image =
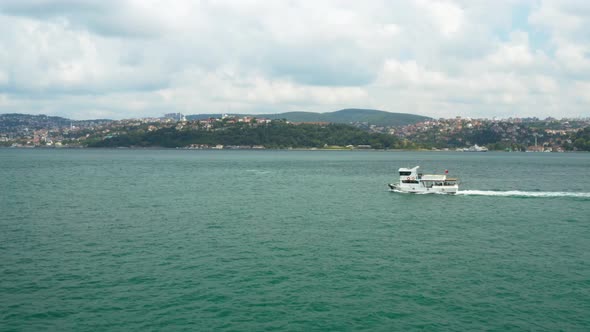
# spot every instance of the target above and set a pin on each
(410, 181)
(477, 148)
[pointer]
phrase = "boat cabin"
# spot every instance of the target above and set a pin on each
(409, 175)
(412, 181)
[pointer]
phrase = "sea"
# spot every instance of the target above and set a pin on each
(201, 240)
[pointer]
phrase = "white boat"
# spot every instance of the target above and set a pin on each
(411, 181)
(477, 148)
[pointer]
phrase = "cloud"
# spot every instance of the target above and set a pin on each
(439, 58)
(445, 15)
(107, 17)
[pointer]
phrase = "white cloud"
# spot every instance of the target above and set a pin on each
(446, 15)
(439, 58)
(410, 73)
(563, 18)
(3, 78)
(574, 58)
(516, 53)
(242, 91)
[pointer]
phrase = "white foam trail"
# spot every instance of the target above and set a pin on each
(519, 193)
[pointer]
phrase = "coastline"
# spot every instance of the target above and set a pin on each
(265, 149)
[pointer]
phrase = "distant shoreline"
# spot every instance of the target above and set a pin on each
(288, 149)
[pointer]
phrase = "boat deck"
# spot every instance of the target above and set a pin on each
(439, 180)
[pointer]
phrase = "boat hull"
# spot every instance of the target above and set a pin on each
(450, 190)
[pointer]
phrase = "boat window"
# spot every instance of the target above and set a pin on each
(409, 181)
(405, 173)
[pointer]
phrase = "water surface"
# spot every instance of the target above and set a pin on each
(125, 240)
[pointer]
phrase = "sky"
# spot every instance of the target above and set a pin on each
(127, 59)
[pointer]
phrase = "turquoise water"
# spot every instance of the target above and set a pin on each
(123, 240)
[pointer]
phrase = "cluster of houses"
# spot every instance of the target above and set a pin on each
(453, 133)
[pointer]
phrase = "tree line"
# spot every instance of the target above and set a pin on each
(277, 134)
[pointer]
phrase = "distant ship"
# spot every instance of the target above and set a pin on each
(411, 181)
(477, 148)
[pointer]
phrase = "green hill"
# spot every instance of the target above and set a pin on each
(277, 134)
(376, 117)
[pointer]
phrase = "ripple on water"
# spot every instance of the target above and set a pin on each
(157, 240)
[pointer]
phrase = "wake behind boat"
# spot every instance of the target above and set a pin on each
(411, 181)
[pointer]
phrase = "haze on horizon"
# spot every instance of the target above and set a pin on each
(126, 59)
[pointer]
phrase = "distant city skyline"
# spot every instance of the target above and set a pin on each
(442, 59)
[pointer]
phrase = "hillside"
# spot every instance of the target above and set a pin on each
(375, 117)
(11, 121)
(15, 122)
(277, 134)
